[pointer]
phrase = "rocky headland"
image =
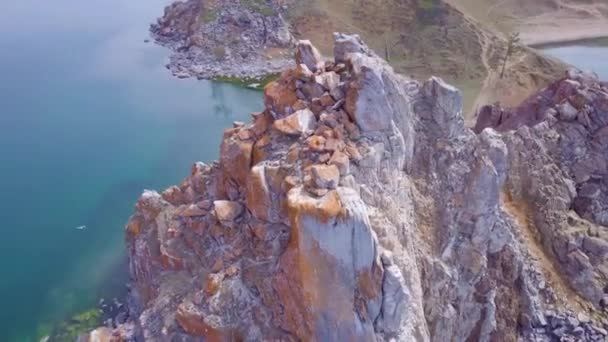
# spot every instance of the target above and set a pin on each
(359, 207)
(242, 39)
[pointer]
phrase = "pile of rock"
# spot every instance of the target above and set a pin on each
(579, 97)
(229, 38)
(569, 327)
(357, 206)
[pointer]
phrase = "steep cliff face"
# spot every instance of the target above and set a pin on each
(358, 207)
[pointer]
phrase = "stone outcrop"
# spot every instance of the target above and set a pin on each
(228, 38)
(558, 141)
(358, 207)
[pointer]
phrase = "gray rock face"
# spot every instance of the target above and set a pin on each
(560, 186)
(395, 302)
(346, 44)
(308, 55)
(391, 221)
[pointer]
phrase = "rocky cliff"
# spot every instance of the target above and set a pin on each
(358, 207)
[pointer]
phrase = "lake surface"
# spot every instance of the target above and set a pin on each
(89, 118)
(588, 55)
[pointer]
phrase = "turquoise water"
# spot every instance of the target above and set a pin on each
(586, 55)
(89, 118)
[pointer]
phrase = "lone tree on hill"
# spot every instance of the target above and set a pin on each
(512, 48)
(387, 52)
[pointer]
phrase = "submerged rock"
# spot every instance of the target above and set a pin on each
(379, 216)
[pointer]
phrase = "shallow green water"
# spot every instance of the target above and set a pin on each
(588, 55)
(89, 118)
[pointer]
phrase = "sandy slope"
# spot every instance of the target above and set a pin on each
(463, 43)
(551, 31)
(541, 21)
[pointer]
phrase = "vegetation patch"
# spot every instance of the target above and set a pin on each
(81, 323)
(257, 83)
(259, 6)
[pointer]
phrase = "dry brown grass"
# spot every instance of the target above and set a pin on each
(422, 38)
(461, 41)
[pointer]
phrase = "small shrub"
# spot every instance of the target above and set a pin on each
(247, 82)
(83, 322)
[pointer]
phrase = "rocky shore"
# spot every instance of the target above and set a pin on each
(358, 207)
(244, 39)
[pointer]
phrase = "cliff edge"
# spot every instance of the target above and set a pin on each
(358, 207)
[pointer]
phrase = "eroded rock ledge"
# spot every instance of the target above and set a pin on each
(358, 207)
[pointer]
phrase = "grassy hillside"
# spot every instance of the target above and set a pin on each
(462, 41)
(419, 37)
(429, 37)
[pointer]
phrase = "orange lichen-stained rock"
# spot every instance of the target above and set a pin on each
(235, 157)
(280, 95)
(322, 209)
(257, 199)
(212, 284)
(293, 154)
(302, 72)
(261, 122)
(341, 161)
(169, 260)
(308, 55)
(173, 195)
(227, 210)
(103, 334)
(134, 226)
(316, 143)
(259, 149)
(367, 101)
(277, 241)
(325, 176)
(331, 244)
(369, 284)
(302, 122)
(266, 193)
(194, 322)
(192, 210)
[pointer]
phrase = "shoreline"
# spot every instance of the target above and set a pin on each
(581, 41)
(565, 41)
(252, 73)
